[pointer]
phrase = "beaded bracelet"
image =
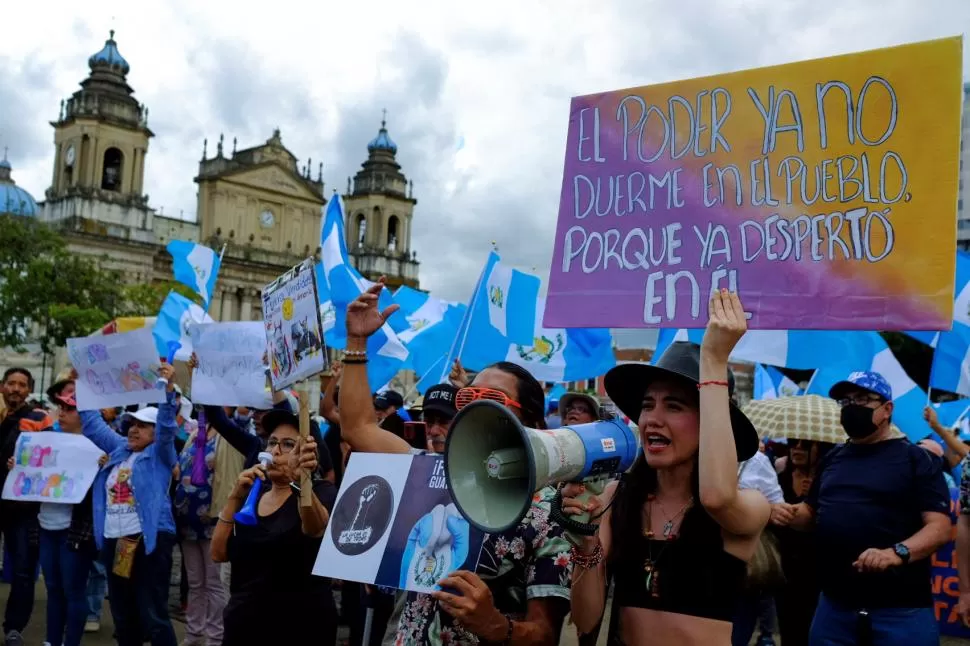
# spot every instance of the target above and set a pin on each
(588, 561)
(508, 634)
(357, 354)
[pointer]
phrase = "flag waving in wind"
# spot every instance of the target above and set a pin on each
(196, 266)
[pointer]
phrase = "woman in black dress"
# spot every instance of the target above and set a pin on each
(274, 598)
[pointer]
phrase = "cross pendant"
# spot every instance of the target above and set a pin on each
(668, 528)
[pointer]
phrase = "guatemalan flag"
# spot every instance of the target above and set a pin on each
(427, 327)
(342, 283)
(961, 308)
(771, 383)
(196, 266)
(501, 312)
(564, 354)
(173, 323)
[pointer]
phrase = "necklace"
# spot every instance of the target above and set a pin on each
(650, 564)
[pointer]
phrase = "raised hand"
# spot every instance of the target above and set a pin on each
(725, 326)
(363, 316)
(458, 377)
(167, 371)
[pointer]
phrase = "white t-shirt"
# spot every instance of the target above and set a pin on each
(121, 517)
(55, 516)
(759, 473)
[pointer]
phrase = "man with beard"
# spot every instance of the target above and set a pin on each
(18, 520)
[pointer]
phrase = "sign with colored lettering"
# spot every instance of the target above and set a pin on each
(116, 369)
(945, 582)
(824, 192)
(394, 525)
(52, 467)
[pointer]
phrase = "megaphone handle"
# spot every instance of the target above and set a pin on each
(578, 524)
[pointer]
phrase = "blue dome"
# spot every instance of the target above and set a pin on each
(13, 199)
(382, 141)
(110, 57)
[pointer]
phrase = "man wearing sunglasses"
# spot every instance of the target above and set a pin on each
(519, 592)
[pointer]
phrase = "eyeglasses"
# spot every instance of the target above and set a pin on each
(578, 408)
(285, 446)
(468, 394)
(860, 400)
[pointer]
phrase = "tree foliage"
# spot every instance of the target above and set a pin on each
(145, 299)
(47, 293)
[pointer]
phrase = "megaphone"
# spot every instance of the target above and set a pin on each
(247, 515)
(494, 465)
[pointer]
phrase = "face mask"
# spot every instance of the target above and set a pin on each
(857, 421)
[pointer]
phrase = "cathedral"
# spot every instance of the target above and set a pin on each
(258, 203)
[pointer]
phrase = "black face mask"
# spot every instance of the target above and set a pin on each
(857, 421)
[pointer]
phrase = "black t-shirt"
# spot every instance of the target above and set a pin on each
(274, 598)
(873, 496)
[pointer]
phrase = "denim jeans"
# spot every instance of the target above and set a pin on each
(97, 590)
(139, 604)
(23, 558)
(838, 626)
(66, 576)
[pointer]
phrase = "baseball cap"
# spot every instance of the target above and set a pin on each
(440, 398)
(872, 382)
(387, 399)
(569, 398)
(149, 415)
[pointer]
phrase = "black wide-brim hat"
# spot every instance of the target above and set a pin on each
(627, 383)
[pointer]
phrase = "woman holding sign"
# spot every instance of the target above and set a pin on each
(676, 533)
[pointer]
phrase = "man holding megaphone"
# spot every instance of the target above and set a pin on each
(676, 533)
(519, 593)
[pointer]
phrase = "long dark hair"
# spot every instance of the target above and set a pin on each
(531, 396)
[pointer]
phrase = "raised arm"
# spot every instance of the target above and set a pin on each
(742, 513)
(166, 425)
(97, 430)
(588, 592)
(238, 438)
(359, 427)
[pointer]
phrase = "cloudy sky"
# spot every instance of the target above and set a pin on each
(497, 75)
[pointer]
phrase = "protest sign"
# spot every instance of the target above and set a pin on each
(291, 316)
(52, 467)
(115, 369)
(813, 189)
(394, 525)
(945, 581)
(230, 370)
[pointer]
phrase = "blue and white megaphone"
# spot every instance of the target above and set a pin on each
(247, 515)
(494, 465)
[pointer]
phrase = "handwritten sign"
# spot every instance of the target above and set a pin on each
(291, 316)
(52, 467)
(394, 525)
(810, 188)
(230, 369)
(115, 369)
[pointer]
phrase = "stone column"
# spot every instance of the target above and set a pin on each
(246, 313)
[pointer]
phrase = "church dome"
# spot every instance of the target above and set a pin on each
(109, 57)
(382, 141)
(13, 199)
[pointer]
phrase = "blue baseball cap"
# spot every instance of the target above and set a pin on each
(869, 381)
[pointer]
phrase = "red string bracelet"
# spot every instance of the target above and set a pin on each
(712, 383)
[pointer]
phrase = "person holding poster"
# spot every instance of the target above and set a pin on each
(133, 521)
(519, 592)
(677, 533)
(274, 598)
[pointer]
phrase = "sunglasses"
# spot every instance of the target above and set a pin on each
(469, 394)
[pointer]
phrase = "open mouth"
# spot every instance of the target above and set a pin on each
(655, 442)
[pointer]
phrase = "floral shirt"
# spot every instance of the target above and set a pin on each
(192, 516)
(531, 561)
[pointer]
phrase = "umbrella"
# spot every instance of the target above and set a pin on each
(801, 417)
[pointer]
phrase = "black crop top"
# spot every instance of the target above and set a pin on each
(694, 578)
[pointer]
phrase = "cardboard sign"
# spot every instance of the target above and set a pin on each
(394, 525)
(116, 369)
(813, 189)
(52, 467)
(230, 370)
(294, 333)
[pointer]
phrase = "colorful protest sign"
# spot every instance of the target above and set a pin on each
(52, 467)
(813, 189)
(394, 525)
(115, 369)
(945, 582)
(230, 369)
(291, 315)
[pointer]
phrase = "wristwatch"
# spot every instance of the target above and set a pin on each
(902, 552)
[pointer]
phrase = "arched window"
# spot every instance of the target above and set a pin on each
(361, 229)
(111, 173)
(392, 233)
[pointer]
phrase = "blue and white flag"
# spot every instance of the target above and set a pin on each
(961, 302)
(501, 312)
(343, 283)
(175, 319)
(427, 327)
(909, 400)
(561, 354)
(950, 414)
(195, 266)
(951, 360)
(771, 383)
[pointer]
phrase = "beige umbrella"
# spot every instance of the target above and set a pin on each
(802, 417)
